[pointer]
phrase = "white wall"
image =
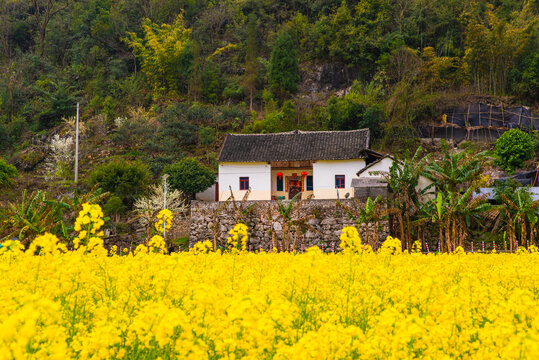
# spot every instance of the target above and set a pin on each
(259, 180)
(324, 172)
(383, 165)
(206, 195)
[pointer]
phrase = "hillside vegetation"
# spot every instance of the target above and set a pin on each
(160, 80)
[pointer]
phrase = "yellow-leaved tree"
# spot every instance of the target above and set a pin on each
(165, 54)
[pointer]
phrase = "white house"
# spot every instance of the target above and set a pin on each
(278, 166)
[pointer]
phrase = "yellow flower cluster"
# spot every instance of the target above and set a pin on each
(459, 251)
(351, 241)
(392, 246)
(47, 244)
(87, 224)
(417, 247)
(239, 237)
(267, 305)
(90, 218)
(163, 218)
(202, 247)
(11, 247)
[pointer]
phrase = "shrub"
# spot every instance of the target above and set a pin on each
(206, 135)
(7, 173)
(513, 148)
(124, 179)
(114, 206)
(190, 176)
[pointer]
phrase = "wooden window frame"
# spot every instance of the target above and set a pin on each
(280, 181)
(244, 180)
(340, 181)
(307, 183)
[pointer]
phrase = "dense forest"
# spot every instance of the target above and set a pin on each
(167, 78)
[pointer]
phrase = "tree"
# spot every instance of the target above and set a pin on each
(147, 207)
(284, 62)
(453, 214)
(251, 59)
(7, 173)
(513, 148)
(517, 207)
(43, 11)
(190, 176)
(403, 180)
(127, 180)
(166, 54)
(454, 169)
(370, 213)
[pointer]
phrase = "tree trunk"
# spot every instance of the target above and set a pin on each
(523, 233)
(401, 223)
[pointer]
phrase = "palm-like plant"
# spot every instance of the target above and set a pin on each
(372, 212)
(293, 220)
(240, 209)
(403, 180)
(518, 208)
(453, 214)
(450, 173)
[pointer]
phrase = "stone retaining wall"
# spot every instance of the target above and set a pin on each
(263, 219)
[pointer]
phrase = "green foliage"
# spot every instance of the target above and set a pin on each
(8, 173)
(525, 76)
(354, 111)
(39, 212)
(284, 62)
(175, 131)
(513, 148)
(275, 121)
(455, 169)
(190, 176)
(127, 180)
(165, 54)
(206, 135)
(114, 206)
(34, 214)
(116, 55)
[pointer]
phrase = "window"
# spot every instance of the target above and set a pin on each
(309, 185)
(244, 183)
(339, 181)
(280, 183)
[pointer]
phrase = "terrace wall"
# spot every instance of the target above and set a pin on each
(264, 218)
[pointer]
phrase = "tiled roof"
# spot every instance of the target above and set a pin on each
(295, 146)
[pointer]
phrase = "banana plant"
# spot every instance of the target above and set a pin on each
(454, 213)
(293, 220)
(371, 212)
(403, 181)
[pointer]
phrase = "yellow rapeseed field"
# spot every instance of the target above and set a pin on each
(261, 306)
(211, 305)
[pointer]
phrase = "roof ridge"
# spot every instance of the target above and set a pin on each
(302, 132)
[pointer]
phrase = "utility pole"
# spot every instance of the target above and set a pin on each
(77, 147)
(165, 205)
